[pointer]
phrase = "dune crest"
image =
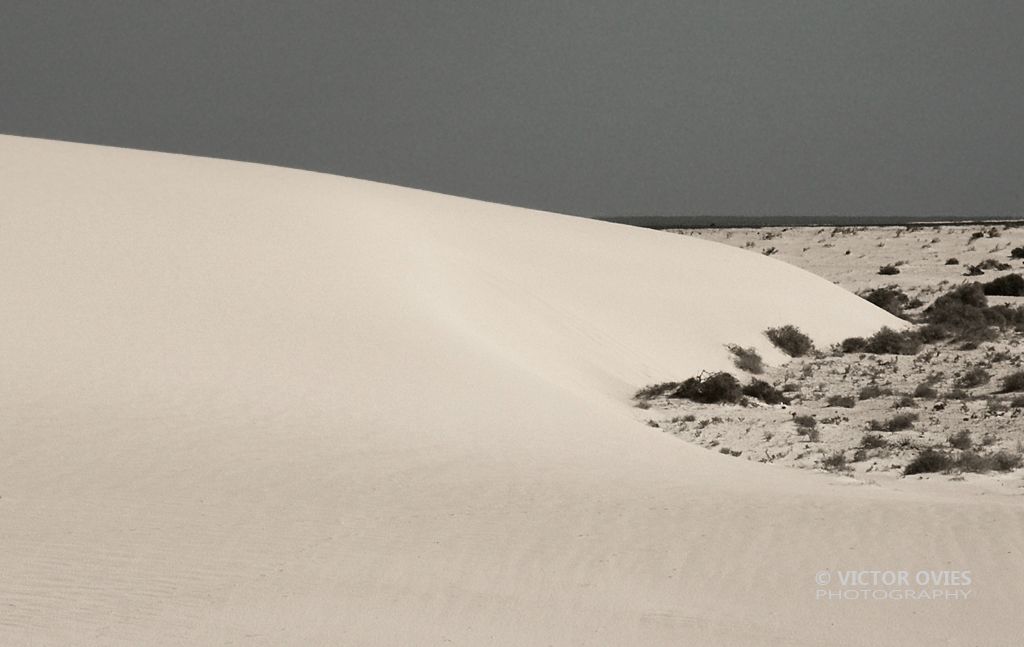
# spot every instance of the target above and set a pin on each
(250, 403)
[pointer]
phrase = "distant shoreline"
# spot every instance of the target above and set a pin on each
(758, 222)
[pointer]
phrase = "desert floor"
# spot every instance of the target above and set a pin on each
(851, 257)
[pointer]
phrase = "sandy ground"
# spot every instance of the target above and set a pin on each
(249, 405)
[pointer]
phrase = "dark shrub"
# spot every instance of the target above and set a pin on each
(709, 389)
(844, 401)
(890, 342)
(952, 261)
(929, 460)
(891, 299)
(1004, 461)
(1000, 461)
(1017, 252)
(655, 390)
(1013, 382)
(905, 402)
(888, 270)
(976, 376)
(764, 392)
(835, 462)
(899, 422)
(925, 390)
(853, 345)
(747, 359)
(790, 340)
(1010, 285)
(873, 441)
(873, 391)
(961, 440)
(1017, 402)
(993, 264)
(805, 421)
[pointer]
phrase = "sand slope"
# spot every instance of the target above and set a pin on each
(249, 405)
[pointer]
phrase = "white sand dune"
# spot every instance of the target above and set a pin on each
(249, 405)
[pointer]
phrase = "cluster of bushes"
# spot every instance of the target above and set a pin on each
(1010, 285)
(936, 460)
(1017, 252)
(964, 314)
(884, 342)
(714, 388)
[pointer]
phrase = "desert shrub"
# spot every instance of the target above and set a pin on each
(835, 462)
(964, 314)
(929, 460)
(710, 389)
(961, 440)
(993, 264)
(904, 402)
(807, 421)
(952, 261)
(974, 377)
(891, 342)
(769, 251)
(1010, 285)
(1013, 382)
(958, 394)
(853, 345)
(891, 299)
(925, 390)
(790, 340)
(873, 441)
(899, 422)
(1017, 402)
(747, 359)
(845, 401)
(764, 392)
(888, 270)
(655, 390)
(1004, 461)
(1017, 252)
(1000, 461)
(873, 391)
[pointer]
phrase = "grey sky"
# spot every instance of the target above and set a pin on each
(597, 108)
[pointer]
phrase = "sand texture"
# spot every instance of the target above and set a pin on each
(249, 405)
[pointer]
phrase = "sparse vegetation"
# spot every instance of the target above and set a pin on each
(974, 377)
(844, 401)
(764, 392)
(873, 391)
(891, 299)
(1013, 382)
(899, 422)
(934, 460)
(961, 440)
(790, 340)
(873, 441)
(1009, 285)
(926, 390)
(888, 270)
(835, 462)
(747, 359)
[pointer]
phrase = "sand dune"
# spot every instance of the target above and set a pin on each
(250, 405)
